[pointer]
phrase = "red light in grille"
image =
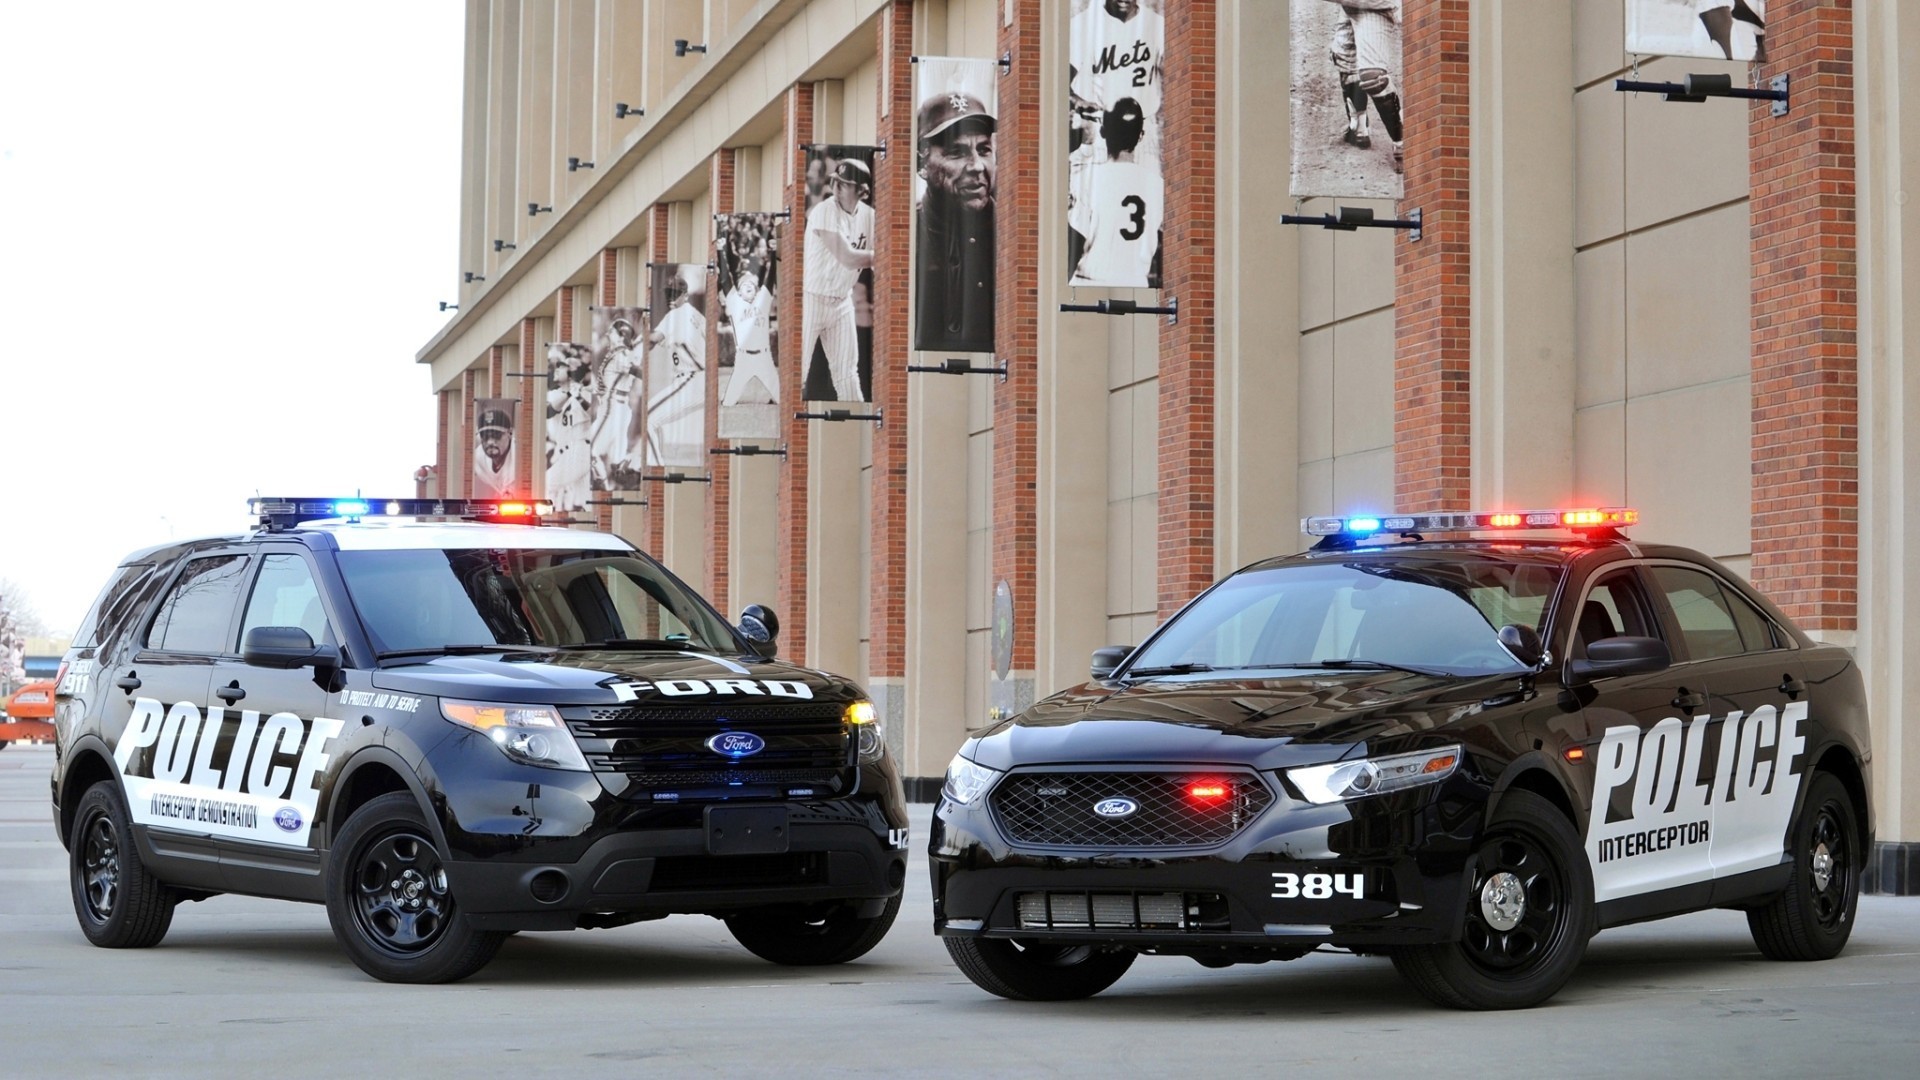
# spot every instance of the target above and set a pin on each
(1207, 791)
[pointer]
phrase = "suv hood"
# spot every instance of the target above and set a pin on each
(594, 677)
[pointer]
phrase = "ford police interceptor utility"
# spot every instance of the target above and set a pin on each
(449, 731)
(1467, 754)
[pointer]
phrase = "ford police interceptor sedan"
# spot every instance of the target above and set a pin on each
(450, 731)
(1469, 754)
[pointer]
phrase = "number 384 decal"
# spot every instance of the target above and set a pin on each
(1317, 886)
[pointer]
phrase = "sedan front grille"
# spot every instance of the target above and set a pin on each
(1127, 809)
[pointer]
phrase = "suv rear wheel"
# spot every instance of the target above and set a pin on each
(812, 936)
(120, 905)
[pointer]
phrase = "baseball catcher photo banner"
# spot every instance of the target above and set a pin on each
(495, 474)
(1115, 194)
(569, 415)
(1347, 128)
(614, 435)
(836, 320)
(676, 382)
(746, 250)
(953, 140)
(1708, 29)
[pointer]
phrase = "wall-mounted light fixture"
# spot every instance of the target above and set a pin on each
(470, 277)
(535, 208)
(574, 164)
(681, 48)
(444, 306)
(502, 245)
(622, 110)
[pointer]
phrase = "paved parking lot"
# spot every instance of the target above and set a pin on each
(256, 987)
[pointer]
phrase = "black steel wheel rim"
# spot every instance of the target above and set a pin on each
(401, 903)
(1517, 951)
(100, 867)
(1829, 840)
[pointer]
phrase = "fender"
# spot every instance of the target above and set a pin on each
(76, 755)
(1533, 761)
(343, 782)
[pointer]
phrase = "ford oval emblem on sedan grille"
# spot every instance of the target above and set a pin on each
(1115, 807)
(736, 744)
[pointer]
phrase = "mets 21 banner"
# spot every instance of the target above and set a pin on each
(953, 143)
(1115, 193)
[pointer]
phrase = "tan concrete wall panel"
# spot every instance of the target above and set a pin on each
(1688, 300)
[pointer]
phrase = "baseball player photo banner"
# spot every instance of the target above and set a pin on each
(1347, 123)
(614, 434)
(746, 250)
(496, 475)
(953, 143)
(676, 380)
(1708, 29)
(836, 319)
(1115, 193)
(570, 398)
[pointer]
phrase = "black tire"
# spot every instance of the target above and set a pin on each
(1813, 918)
(389, 903)
(1521, 956)
(1031, 971)
(812, 936)
(119, 904)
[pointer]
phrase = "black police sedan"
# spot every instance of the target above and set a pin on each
(1468, 754)
(448, 731)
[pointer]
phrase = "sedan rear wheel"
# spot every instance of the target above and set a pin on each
(1813, 918)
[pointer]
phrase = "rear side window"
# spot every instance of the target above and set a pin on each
(1714, 620)
(114, 605)
(198, 611)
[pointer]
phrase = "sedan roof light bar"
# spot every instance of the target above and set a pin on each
(1595, 523)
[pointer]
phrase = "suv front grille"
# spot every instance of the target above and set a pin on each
(664, 748)
(1056, 809)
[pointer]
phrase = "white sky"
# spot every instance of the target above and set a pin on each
(224, 231)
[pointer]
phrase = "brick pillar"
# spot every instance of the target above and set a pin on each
(655, 494)
(792, 580)
(1432, 394)
(440, 444)
(1806, 445)
(1186, 542)
(607, 277)
(467, 437)
(531, 427)
(496, 371)
(892, 274)
(720, 175)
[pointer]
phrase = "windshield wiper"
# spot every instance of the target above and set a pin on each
(1168, 669)
(678, 644)
(457, 650)
(1373, 665)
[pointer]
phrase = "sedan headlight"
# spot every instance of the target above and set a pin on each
(967, 781)
(868, 730)
(1345, 780)
(529, 734)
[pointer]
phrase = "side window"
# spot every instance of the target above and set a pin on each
(285, 595)
(198, 610)
(1614, 607)
(1713, 619)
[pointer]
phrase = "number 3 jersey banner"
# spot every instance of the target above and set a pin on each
(1115, 193)
(954, 123)
(676, 367)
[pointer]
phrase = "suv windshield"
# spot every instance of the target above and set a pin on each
(1425, 615)
(431, 600)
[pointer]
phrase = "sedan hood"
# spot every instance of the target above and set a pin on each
(593, 677)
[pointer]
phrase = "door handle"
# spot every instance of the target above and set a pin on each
(1689, 701)
(230, 693)
(128, 682)
(1791, 686)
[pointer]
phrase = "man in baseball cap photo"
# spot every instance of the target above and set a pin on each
(955, 287)
(493, 464)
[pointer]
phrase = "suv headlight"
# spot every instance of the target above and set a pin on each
(529, 734)
(868, 730)
(1345, 780)
(967, 781)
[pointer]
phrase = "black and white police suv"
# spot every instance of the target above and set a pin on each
(448, 731)
(1468, 754)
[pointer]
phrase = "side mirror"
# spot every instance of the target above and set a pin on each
(1613, 656)
(286, 647)
(1524, 643)
(760, 625)
(1108, 658)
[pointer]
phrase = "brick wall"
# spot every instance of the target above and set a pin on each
(792, 492)
(655, 512)
(892, 270)
(720, 181)
(607, 277)
(1432, 398)
(1805, 318)
(1016, 318)
(440, 442)
(531, 429)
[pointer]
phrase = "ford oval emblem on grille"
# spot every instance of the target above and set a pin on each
(736, 744)
(1115, 807)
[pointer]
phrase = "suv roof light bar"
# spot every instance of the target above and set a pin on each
(1598, 523)
(277, 514)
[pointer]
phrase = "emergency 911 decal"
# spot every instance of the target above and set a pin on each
(1666, 812)
(224, 773)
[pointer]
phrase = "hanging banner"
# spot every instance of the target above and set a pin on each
(676, 381)
(495, 473)
(836, 320)
(747, 255)
(953, 131)
(1347, 124)
(1708, 29)
(614, 433)
(1115, 193)
(569, 414)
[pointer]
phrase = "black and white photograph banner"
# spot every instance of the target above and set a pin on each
(746, 249)
(615, 436)
(836, 317)
(1708, 29)
(1115, 193)
(496, 473)
(676, 380)
(1347, 99)
(570, 399)
(954, 123)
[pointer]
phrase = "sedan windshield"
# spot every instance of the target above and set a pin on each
(1426, 616)
(430, 600)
